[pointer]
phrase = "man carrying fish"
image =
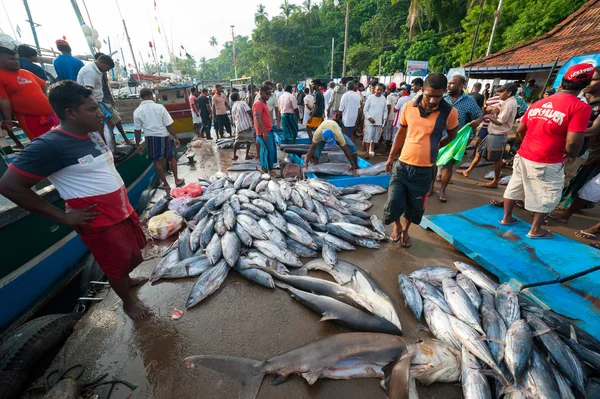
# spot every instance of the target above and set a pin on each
(81, 167)
(329, 133)
(414, 152)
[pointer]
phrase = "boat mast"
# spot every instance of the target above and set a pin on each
(129, 42)
(33, 25)
(81, 22)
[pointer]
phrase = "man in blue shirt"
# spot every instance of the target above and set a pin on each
(67, 67)
(468, 113)
(27, 57)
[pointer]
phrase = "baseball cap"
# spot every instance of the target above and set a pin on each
(300, 87)
(62, 42)
(405, 87)
(8, 44)
(328, 137)
(579, 73)
(392, 85)
(551, 91)
(509, 87)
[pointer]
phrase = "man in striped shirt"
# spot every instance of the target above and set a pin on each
(242, 120)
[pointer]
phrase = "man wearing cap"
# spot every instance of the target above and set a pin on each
(22, 94)
(492, 148)
(553, 130)
(66, 66)
(549, 92)
(329, 133)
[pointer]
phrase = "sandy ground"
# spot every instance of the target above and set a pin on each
(245, 320)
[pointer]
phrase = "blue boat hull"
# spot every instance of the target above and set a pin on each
(24, 290)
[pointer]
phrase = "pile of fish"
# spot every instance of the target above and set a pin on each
(225, 142)
(342, 169)
(261, 226)
(530, 352)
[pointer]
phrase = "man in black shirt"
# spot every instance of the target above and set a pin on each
(475, 93)
(203, 103)
(316, 115)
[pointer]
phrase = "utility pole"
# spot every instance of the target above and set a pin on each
(477, 31)
(234, 57)
(332, 51)
(379, 65)
(346, 37)
(496, 18)
(268, 72)
(33, 25)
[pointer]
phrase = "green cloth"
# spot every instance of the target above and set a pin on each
(455, 150)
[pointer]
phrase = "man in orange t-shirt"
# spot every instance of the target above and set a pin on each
(24, 95)
(411, 162)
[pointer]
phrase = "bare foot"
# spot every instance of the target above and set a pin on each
(135, 281)
(489, 185)
(234, 158)
(463, 172)
(495, 202)
(136, 311)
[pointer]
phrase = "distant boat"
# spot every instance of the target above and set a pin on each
(176, 101)
(41, 256)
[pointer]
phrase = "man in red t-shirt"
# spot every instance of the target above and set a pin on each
(553, 130)
(263, 126)
(24, 95)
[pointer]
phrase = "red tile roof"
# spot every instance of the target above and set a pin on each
(577, 35)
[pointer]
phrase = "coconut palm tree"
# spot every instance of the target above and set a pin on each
(287, 9)
(261, 14)
(213, 43)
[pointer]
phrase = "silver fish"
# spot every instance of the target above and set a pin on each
(337, 242)
(377, 225)
(228, 217)
(372, 170)
(474, 384)
(214, 250)
(278, 221)
(494, 328)
(243, 235)
(251, 178)
(433, 274)
(257, 276)
(264, 205)
(360, 221)
(321, 211)
(361, 205)
(359, 231)
(207, 283)
(274, 189)
(296, 198)
(480, 279)
(335, 216)
(564, 389)
(309, 360)
(587, 355)
(329, 254)
(251, 227)
(185, 249)
(235, 204)
(299, 249)
(169, 260)
(274, 251)
(207, 232)
(367, 242)
(296, 219)
(435, 361)
(297, 233)
(324, 185)
(224, 197)
(361, 196)
(248, 193)
(189, 267)
(254, 209)
(260, 187)
(285, 189)
(461, 305)
(243, 199)
(197, 234)
(507, 304)
(469, 288)
(331, 169)
(428, 291)
(220, 227)
(564, 358)
(518, 348)
(267, 196)
(372, 189)
(438, 322)
(272, 233)
(307, 215)
(411, 296)
(231, 247)
(540, 380)
(237, 184)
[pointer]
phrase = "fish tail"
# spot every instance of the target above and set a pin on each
(249, 372)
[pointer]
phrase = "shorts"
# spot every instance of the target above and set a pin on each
(314, 123)
(116, 248)
(197, 119)
(372, 134)
(159, 148)
(482, 132)
(591, 190)
(492, 147)
(538, 184)
(247, 136)
(116, 117)
(408, 192)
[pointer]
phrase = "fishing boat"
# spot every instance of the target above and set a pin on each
(176, 101)
(41, 256)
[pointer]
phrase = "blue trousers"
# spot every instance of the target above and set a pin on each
(268, 151)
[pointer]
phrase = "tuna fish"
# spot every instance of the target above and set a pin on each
(469, 288)
(228, 217)
(296, 233)
(337, 242)
(274, 251)
(428, 291)
(207, 283)
(168, 261)
(296, 219)
(412, 298)
(359, 231)
(243, 235)
(461, 305)
(438, 322)
(372, 189)
(256, 275)
(495, 329)
(329, 254)
(251, 227)
(474, 384)
(433, 274)
(278, 221)
(378, 225)
(231, 247)
(213, 249)
(272, 233)
(299, 249)
(189, 267)
(540, 380)
(480, 279)
(185, 249)
(321, 212)
(518, 348)
(507, 304)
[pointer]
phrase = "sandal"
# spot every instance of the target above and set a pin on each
(442, 199)
(509, 223)
(406, 243)
(585, 234)
(499, 204)
(547, 234)
(395, 237)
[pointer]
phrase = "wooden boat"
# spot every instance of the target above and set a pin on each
(40, 255)
(176, 101)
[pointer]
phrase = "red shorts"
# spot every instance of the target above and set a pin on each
(116, 248)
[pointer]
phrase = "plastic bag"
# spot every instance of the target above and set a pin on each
(455, 150)
(162, 226)
(180, 205)
(191, 190)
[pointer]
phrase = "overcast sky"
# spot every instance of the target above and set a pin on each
(190, 23)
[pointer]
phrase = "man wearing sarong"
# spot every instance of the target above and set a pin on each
(288, 108)
(263, 128)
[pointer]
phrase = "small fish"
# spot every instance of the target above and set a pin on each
(412, 298)
(474, 384)
(329, 254)
(428, 291)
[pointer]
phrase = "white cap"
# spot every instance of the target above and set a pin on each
(8, 42)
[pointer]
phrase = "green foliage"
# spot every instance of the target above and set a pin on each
(296, 43)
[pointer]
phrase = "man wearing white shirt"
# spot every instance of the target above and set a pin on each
(327, 96)
(349, 106)
(157, 124)
(375, 115)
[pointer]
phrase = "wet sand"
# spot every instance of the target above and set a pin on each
(245, 320)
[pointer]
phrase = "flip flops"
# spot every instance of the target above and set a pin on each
(547, 234)
(585, 234)
(509, 223)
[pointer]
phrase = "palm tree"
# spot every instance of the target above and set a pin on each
(287, 9)
(261, 14)
(213, 43)
(308, 5)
